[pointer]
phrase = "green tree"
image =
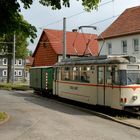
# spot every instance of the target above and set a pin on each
(6, 45)
(30, 52)
(11, 20)
(10, 9)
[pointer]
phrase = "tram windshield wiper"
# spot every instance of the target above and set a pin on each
(130, 81)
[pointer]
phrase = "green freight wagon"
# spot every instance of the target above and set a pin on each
(41, 79)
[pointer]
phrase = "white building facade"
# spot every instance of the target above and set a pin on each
(124, 45)
(122, 37)
(19, 74)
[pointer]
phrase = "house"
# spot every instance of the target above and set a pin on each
(123, 35)
(19, 69)
(49, 49)
(28, 64)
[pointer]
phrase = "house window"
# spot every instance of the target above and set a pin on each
(45, 44)
(124, 46)
(109, 46)
(4, 61)
(15, 62)
(15, 72)
(4, 73)
(136, 45)
(19, 72)
(20, 62)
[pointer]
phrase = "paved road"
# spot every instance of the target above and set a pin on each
(36, 118)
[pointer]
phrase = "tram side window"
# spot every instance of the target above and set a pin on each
(75, 74)
(122, 76)
(56, 74)
(116, 79)
(84, 77)
(100, 75)
(84, 74)
(109, 75)
(65, 73)
(62, 74)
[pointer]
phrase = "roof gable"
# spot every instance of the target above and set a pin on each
(126, 24)
(74, 42)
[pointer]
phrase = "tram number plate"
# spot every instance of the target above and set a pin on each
(73, 88)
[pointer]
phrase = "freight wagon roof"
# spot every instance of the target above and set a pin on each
(41, 67)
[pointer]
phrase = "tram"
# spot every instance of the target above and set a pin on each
(112, 81)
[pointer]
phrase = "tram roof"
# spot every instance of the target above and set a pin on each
(104, 59)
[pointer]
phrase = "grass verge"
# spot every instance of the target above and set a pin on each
(10, 86)
(3, 116)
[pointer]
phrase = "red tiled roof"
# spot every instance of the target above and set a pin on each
(126, 24)
(78, 39)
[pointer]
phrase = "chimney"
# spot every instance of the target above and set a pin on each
(74, 30)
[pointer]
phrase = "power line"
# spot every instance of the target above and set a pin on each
(100, 21)
(57, 21)
(90, 24)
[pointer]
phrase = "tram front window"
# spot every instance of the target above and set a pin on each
(133, 77)
(129, 77)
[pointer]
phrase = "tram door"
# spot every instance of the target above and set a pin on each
(55, 83)
(101, 85)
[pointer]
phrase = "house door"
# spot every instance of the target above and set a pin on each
(101, 85)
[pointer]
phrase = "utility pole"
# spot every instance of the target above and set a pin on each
(13, 73)
(64, 38)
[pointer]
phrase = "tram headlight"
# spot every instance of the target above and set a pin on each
(134, 97)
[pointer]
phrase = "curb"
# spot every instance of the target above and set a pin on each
(7, 118)
(113, 119)
(128, 124)
(108, 117)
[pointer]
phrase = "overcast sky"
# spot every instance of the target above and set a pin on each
(44, 17)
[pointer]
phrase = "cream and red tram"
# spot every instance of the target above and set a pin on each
(112, 81)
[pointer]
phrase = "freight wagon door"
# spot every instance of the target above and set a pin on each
(35, 80)
(101, 85)
(47, 79)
